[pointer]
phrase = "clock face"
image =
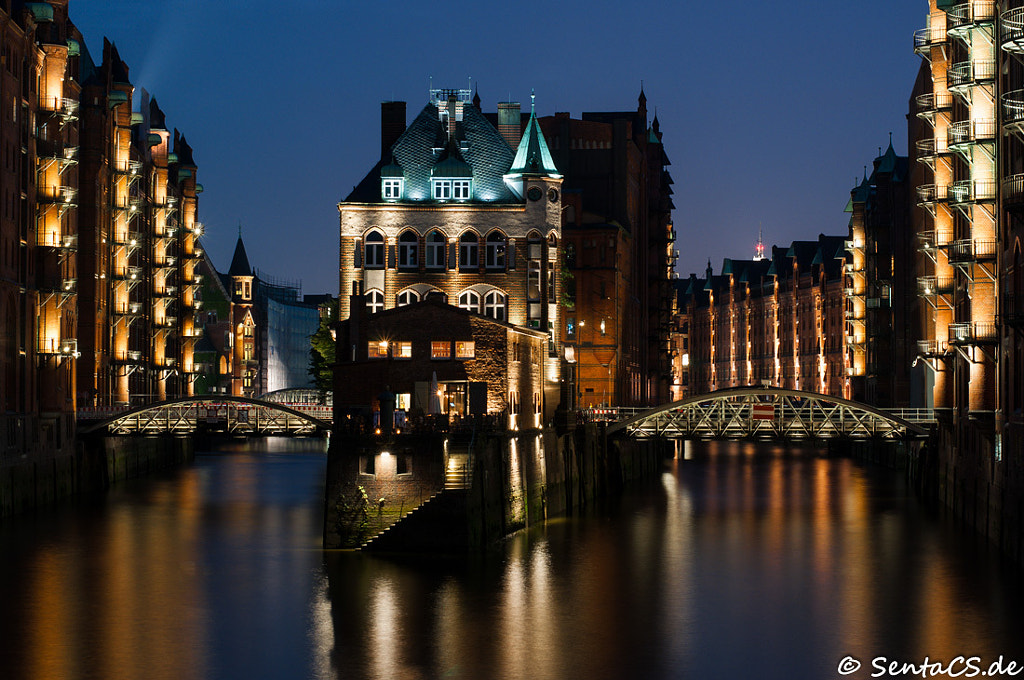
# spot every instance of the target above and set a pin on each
(552, 195)
(534, 194)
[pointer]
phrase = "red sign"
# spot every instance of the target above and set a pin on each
(763, 411)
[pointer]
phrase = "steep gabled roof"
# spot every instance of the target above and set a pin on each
(533, 156)
(240, 261)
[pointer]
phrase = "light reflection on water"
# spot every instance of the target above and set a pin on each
(740, 561)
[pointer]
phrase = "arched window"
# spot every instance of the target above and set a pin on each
(374, 301)
(408, 250)
(435, 250)
(470, 301)
(407, 297)
(374, 251)
(468, 244)
(494, 305)
(495, 256)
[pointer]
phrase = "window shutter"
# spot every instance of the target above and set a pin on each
(359, 253)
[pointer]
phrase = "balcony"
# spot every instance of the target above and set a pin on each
(130, 357)
(128, 309)
(131, 239)
(927, 38)
(61, 195)
(972, 191)
(1011, 33)
(969, 250)
(1013, 192)
(966, 74)
(965, 133)
(928, 150)
(929, 194)
(66, 347)
(931, 348)
(961, 18)
(59, 106)
(930, 103)
(127, 273)
(131, 168)
(973, 333)
(57, 240)
(934, 285)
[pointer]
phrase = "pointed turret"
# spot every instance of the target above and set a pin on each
(533, 159)
(240, 261)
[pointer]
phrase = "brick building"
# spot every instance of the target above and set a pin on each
(39, 179)
(457, 210)
(618, 252)
(481, 365)
(777, 321)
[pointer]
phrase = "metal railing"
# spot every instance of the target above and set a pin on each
(972, 191)
(970, 250)
(1011, 32)
(931, 348)
(970, 13)
(967, 73)
(973, 333)
(934, 285)
(971, 131)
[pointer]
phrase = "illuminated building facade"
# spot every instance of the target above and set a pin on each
(457, 210)
(138, 244)
(39, 179)
(618, 254)
(882, 305)
(778, 321)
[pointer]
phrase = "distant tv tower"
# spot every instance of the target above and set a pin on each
(759, 246)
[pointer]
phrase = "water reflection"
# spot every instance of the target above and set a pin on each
(739, 561)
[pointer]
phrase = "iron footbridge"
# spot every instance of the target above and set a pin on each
(210, 413)
(770, 413)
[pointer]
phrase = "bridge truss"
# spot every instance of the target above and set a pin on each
(770, 413)
(220, 414)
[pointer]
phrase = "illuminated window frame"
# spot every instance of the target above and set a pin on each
(375, 301)
(377, 349)
(401, 349)
(470, 301)
(435, 247)
(465, 349)
(441, 189)
(407, 297)
(494, 305)
(440, 349)
(391, 189)
(461, 189)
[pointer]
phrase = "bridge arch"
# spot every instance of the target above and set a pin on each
(222, 413)
(767, 413)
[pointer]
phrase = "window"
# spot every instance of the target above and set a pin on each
(407, 297)
(533, 281)
(435, 250)
(494, 305)
(495, 255)
(460, 189)
(465, 350)
(468, 251)
(570, 327)
(442, 189)
(551, 285)
(408, 249)
(391, 189)
(402, 350)
(440, 349)
(470, 301)
(247, 351)
(374, 250)
(377, 349)
(375, 301)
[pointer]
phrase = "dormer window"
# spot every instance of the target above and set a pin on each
(460, 189)
(442, 189)
(391, 189)
(448, 189)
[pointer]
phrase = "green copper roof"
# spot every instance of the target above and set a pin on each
(392, 169)
(451, 164)
(532, 156)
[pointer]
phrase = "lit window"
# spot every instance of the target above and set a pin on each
(442, 189)
(435, 250)
(402, 349)
(377, 349)
(374, 250)
(468, 251)
(465, 350)
(375, 301)
(570, 327)
(408, 247)
(391, 189)
(533, 281)
(407, 297)
(470, 301)
(440, 349)
(495, 255)
(460, 189)
(494, 305)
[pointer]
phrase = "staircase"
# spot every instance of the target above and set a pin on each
(436, 525)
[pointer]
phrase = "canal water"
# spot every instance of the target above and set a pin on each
(741, 561)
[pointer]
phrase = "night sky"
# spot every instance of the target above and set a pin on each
(769, 110)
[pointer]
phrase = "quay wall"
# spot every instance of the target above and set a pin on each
(514, 480)
(92, 465)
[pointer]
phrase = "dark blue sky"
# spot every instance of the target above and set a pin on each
(769, 110)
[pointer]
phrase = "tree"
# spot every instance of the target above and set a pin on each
(321, 352)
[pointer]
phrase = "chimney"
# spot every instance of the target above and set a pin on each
(392, 125)
(509, 123)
